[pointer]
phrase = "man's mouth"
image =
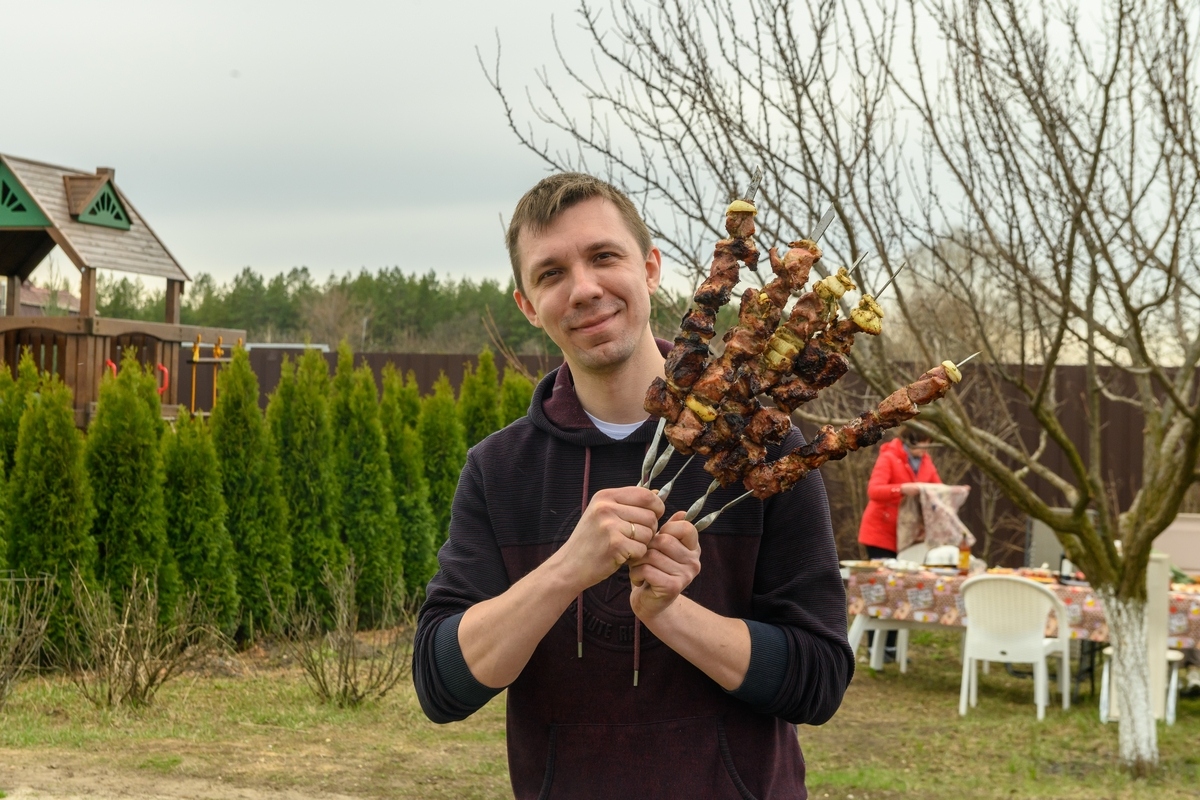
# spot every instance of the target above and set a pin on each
(593, 324)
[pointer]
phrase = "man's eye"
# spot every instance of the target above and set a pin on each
(547, 275)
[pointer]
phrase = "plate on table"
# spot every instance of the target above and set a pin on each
(862, 566)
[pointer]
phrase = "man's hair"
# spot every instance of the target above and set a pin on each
(911, 435)
(542, 204)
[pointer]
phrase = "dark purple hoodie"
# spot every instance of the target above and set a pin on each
(578, 727)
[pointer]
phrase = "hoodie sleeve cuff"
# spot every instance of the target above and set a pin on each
(453, 670)
(768, 665)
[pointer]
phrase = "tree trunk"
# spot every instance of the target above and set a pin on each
(1137, 734)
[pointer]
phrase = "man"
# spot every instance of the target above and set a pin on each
(628, 667)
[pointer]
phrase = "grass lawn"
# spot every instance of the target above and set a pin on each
(260, 735)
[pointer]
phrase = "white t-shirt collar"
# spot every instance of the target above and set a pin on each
(615, 430)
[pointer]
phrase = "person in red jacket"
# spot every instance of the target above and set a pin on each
(902, 463)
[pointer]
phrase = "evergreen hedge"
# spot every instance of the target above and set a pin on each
(13, 394)
(408, 397)
(445, 449)
(298, 415)
(124, 465)
(195, 512)
(410, 489)
(366, 510)
(479, 400)
(516, 393)
(257, 515)
(49, 501)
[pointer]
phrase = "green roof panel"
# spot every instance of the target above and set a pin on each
(17, 209)
(106, 210)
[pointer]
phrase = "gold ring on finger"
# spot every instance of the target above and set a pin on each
(632, 531)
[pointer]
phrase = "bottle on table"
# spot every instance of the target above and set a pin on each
(964, 556)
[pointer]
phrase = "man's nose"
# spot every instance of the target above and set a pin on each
(585, 288)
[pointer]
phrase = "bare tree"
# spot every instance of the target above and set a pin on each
(1037, 161)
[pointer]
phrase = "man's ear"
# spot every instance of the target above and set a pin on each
(526, 308)
(653, 269)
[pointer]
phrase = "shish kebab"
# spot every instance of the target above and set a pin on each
(704, 406)
(719, 417)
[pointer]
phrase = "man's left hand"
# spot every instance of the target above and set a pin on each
(671, 563)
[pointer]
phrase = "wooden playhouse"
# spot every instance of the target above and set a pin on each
(96, 226)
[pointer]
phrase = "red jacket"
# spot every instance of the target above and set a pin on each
(878, 527)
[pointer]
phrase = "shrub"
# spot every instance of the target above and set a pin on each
(256, 514)
(49, 501)
(24, 604)
(298, 415)
(479, 400)
(410, 489)
(445, 451)
(340, 666)
(124, 464)
(516, 393)
(366, 510)
(196, 528)
(13, 394)
(123, 657)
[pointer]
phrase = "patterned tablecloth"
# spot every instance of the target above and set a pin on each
(929, 597)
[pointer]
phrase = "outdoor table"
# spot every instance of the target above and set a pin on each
(926, 599)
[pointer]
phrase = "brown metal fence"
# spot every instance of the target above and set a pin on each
(1120, 440)
(267, 363)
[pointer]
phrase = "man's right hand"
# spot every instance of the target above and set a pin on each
(616, 527)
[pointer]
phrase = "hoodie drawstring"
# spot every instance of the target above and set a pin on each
(587, 471)
(637, 623)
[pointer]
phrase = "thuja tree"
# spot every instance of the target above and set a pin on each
(49, 502)
(516, 392)
(366, 511)
(256, 514)
(410, 488)
(13, 394)
(195, 513)
(298, 415)
(1047, 186)
(479, 400)
(124, 464)
(445, 450)
(408, 398)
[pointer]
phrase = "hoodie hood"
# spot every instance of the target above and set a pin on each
(556, 410)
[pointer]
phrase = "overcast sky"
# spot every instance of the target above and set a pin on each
(281, 134)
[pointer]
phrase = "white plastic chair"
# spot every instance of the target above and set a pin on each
(1006, 621)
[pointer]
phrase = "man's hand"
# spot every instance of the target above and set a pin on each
(671, 562)
(910, 489)
(615, 528)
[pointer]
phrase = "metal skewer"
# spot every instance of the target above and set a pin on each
(698, 506)
(858, 263)
(665, 491)
(968, 358)
(711, 518)
(651, 452)
(890, 279)
(752, 189)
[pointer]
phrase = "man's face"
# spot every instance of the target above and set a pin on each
(588, 285)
